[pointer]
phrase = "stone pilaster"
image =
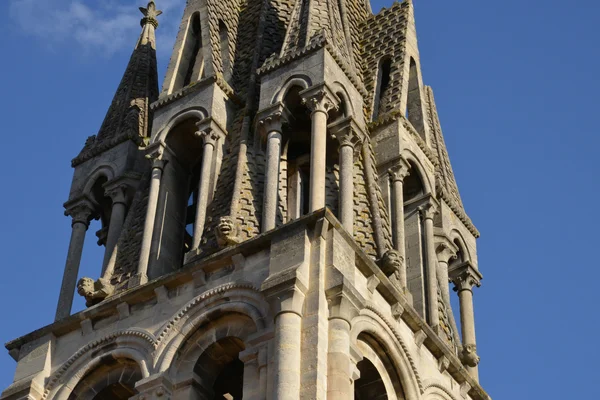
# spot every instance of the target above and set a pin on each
(156, 154)
(81, 211)
(271, 121)
(428, 212)
(349, 136)
(464, 277)
(210, 133)
(319, 100)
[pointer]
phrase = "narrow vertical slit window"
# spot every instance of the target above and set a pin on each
(225, 56)
(414, 111)
(191, 63)
(383, 83)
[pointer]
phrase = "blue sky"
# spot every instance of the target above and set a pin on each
(516, 89)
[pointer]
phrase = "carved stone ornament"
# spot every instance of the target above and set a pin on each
(400, 171)
(428, 211)
(347, 132)
(208, 136)
(226, 232)
(273, 119)
(391, 263)
(81, 213)
(319, 99)
(94, 291)
(465, 276)
(150, 15)
(469, 355)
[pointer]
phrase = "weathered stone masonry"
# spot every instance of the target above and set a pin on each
(281, 221)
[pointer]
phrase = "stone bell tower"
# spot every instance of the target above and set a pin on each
(281, 222)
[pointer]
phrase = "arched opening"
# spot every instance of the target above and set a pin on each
(379, 379)
(370, 385)
(414, 110)
(296, 152)
(383, 82)
(413, 185)
(219, 373)
(414, 240)
(178, 200)
(114, 379)
(191, 64)
(225, 54)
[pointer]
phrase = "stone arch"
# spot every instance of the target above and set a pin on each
(133, 345)
(340, 90)
(303, 81)
(106, 170)
(426, 179)
(232, 298)
(198, 113)
(371, 323)
(457, 237)
(436, 391)
(375, 369)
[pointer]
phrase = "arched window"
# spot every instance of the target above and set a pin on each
(115, 379)
(383, 82)
(296, 152)
(219, 373)
(414, 110)
(191, 65)
(378, 377)
(225, 56)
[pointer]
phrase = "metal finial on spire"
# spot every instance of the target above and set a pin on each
(150, 14)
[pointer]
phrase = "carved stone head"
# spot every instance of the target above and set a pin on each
(226, 232)
(85, 287)
(391, 262)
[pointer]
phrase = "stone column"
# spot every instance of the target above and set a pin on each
(271, 121)
(158, 166)
(427, 213)
(118, 195)
(349, 136)
(319, 101)
(464, 277)
(445, 253)
(397, 175)
(81, 213)
(209, 137)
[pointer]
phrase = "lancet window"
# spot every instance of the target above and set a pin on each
(191, 64)
(383, 83)
(414, 110)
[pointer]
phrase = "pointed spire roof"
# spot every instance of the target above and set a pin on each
(444, 174)
(314, 20)
(128, 115)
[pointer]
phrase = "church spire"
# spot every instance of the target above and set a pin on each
(128, 115)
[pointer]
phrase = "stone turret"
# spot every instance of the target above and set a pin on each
(295, 224)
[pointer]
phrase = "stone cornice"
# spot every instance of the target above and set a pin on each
(318, 42)
(195, 86)
(90, 150)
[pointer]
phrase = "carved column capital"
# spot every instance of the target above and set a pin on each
(429, 209)
(320, 98)
(446, 252)
(465, 276)
(347, 132)
(81, 211)
(273, 118)
(400, 171)
(209, 131)
(118, 193)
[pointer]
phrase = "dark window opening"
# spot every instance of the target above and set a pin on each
(383, 83)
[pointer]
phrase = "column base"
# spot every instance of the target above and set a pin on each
(137, 280)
